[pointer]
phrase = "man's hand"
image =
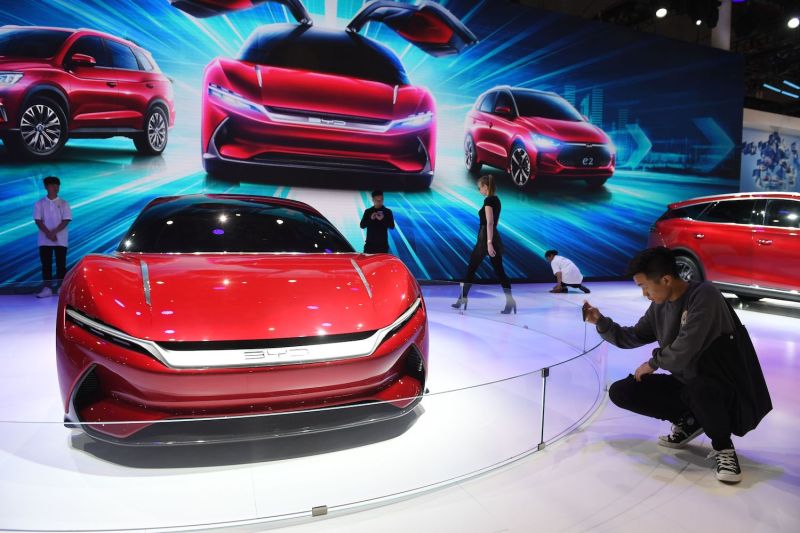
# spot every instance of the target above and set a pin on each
(592, 314)
(643, 369)
(379, 215)
(52, 236)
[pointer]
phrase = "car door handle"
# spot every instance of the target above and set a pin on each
(764, 242)
(699, 236)
(491, 124)
(149, 85)
(111, 83)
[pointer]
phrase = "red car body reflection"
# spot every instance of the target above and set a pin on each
(144, 337)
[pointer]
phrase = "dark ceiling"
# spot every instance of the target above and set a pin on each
(759, 31)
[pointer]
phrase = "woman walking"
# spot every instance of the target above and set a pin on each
(489, 243)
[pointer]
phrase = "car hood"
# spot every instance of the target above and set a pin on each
(219, 297)
(565, 130)
(20, 64)
(324, 94)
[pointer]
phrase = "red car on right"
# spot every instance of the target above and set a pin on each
(746, 243)
(533, 133)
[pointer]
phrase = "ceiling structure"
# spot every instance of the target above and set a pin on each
(758, 30)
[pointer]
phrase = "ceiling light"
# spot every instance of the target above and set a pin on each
(698, 22)
(661, 12)
(794, 22)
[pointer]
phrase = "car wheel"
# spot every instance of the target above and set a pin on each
(42, 129)
(471, 155)
(156, 131)
(596, 183)
(688, 269)
(519, 165)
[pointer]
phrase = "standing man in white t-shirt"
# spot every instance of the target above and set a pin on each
(567, 274)
(52, 214)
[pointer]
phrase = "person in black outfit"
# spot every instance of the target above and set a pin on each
(377, 220)
(489, 243)
(686, 319)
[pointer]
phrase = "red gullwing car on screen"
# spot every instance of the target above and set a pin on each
(316, 99)
(216, 306)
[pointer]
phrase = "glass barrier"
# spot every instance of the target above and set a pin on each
(497, 388)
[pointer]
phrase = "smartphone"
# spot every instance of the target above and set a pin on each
(584, 310)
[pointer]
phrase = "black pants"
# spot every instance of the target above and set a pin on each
(663, 396)
(46, 256)
(480, 251)
(371, 248)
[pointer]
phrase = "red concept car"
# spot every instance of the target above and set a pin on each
(58, 83)
(215, 306)
(304, 98)
(746, 243)
(532, 133)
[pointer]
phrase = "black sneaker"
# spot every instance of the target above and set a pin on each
(584, 289)
(726, 465)
(682, 432)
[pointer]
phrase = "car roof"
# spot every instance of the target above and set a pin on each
(736, 196)
(234, 199)
(513, 89)
(83, 31)
(315, 34)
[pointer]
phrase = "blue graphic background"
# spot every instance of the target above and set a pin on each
(674, 111)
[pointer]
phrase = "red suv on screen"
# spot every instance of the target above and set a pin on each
(58, 83)
(532, 133)
(747, 243)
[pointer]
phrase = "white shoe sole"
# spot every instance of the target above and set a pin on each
(662, 440)
(727, 477)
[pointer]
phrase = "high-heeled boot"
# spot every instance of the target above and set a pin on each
(511, 304)
(462, 297)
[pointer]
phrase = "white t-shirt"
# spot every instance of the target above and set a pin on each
(569, 272)
(52, 213)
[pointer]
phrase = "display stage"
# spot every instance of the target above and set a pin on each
(499, 388)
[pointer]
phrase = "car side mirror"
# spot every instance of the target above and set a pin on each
(502, 110)
(82, 60)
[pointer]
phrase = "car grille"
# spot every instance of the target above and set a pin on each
(326, 162)
(348, 119)
(584, 156)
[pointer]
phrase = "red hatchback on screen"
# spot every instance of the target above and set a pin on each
(58, 83)
(532, 133)
(303, 98)
(747, 243)
(216, 306)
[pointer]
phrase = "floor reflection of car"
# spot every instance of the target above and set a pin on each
(747, 243)
(220, 306)
(57, 84)
(532, 133)
(316, 99)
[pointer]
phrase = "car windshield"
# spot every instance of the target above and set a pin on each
(328, 52)
(32, 44)
(192, 226)
(532, 104)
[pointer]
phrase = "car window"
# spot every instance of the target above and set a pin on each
(121, 56)
(35, 44)
(487, 104)
(328, 52)
(187, 226)
(730, 212)
(144, 62)
(782, 214)
(91, 46)
(504, 100)
(532, 104)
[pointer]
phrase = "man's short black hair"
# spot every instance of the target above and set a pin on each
(550, 253)
(51, 180)
(654, 263)
(377, 193)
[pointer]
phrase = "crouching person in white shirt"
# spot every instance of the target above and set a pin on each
(52, 215)
(567, 274)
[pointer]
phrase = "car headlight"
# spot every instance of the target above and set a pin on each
(543, 142)
(112, 335)
(10, 78)
(232, 99)
(416, 120)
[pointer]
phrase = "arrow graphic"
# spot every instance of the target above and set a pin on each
(711, 155)
(643, 146)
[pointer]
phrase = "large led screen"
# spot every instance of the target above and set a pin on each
(589, 130)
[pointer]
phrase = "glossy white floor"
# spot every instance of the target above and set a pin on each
(610, 475)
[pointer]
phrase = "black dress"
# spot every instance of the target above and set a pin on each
(481, 249)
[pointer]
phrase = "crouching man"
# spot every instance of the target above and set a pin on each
(686, 319)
